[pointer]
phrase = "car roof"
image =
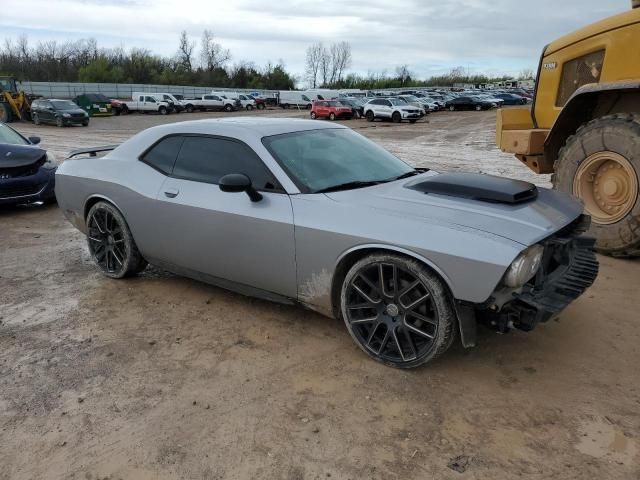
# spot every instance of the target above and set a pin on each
(259, 126)
(247, 129)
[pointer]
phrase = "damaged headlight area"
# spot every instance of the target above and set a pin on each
(524, 267)
(50, 162)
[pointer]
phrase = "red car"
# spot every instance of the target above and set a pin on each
(330, 109)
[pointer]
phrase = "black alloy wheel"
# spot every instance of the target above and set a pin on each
(397, 311)
(110, 242)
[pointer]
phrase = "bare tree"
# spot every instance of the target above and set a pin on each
(403, 74)
(325, 66)
(340, 60)
(212, 54)
(314, 59)
(526, 74)
(185, 52)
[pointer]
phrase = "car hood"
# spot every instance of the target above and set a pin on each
(13, 156)
(525, 223)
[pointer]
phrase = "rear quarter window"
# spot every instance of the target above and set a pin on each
(162, 156)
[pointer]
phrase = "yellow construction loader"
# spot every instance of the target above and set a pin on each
(584, 126)
(14, 105)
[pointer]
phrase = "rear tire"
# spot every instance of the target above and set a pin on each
(260, 106)
(313, 115)
(111, 243)
(452, 108)
(249, 107)
(189, 108)
(601, 165)
(478, 108)
(125, 110)
(35, 118)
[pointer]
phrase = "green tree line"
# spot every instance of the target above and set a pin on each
(84, 61)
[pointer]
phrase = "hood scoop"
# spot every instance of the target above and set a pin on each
(475, 186)
(15, 156)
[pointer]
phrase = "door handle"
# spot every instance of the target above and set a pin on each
(171, 192)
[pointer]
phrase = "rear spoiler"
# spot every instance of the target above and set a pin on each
(92, 151)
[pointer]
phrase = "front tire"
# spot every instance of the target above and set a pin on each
(163, 110)
(600, 164)
(478, 108)
(397, 311)
(396, 117)
(228, 107)
(111, 243)
(59, 122)
(452, 108)
(35, 118)
(332, 116)
(370, 116)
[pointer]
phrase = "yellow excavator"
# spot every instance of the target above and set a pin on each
(583, 126)
(14, 105)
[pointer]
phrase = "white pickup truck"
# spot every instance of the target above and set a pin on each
(210, 102)
(246, 101)
(144, 103)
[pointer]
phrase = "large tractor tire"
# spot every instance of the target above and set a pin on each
(6, 115)
(600, 164)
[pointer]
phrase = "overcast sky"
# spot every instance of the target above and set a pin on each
(485, 36)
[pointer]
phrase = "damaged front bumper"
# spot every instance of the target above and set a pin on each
(569, 266)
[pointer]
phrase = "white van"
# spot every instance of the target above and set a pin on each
(292, 98)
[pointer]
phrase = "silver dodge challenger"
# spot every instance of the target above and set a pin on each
(306, 212)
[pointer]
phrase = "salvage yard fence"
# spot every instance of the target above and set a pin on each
(120, 90)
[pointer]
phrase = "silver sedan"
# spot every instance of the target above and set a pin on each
(303, 212)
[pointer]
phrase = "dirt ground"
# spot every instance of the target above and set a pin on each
(161, 377)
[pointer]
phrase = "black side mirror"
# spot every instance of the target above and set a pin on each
(34, 140)
(239, 182)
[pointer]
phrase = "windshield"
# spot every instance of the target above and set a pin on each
(7, 135)
(320, 159)
(63, 104)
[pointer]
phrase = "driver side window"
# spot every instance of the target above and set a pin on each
(207, 159)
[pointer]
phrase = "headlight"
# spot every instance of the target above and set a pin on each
(51, 162)
(524, 267)
(66, 115)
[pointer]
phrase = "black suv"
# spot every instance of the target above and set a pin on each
(59, 112)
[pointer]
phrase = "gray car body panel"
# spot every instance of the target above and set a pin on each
(289, 244)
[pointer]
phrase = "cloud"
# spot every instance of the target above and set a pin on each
(430, 36)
